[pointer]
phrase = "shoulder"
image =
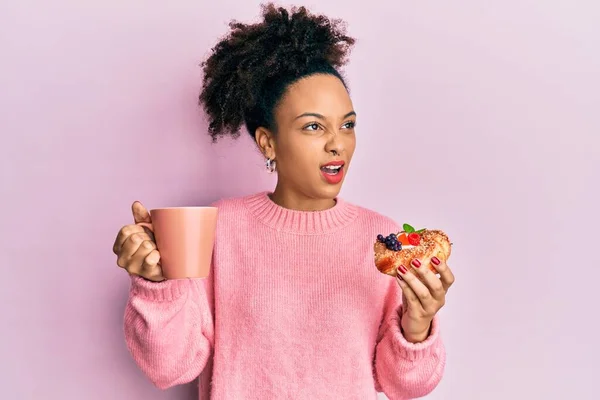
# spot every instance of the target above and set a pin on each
(375, 220)
(233, 205)
(228, 202)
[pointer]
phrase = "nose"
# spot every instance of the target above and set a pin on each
(334, 145)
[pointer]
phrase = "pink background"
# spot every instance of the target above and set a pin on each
(486, 115)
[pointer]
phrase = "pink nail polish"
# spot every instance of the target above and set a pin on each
(416, 263)
(435, 261)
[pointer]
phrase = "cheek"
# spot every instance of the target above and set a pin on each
(350, 144)
(301, 156)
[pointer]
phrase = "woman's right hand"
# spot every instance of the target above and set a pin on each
(136, 249)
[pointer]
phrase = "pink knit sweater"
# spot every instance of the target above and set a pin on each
(294, 309)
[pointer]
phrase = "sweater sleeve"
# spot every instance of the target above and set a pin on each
(405, 370)
(169, 328)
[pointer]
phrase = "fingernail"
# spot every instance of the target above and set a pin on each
(402, 269)
(416, 263)
(435, 261)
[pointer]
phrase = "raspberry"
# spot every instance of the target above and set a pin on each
(414, 239)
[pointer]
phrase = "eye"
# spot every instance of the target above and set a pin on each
(312, 127)
(349, 125)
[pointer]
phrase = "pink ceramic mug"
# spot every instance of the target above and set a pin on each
(185, 237)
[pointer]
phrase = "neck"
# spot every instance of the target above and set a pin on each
(293, 200)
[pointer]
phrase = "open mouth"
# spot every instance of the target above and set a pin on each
(331, 169)
(333, 172)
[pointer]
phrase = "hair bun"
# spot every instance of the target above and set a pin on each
(253, 58)
(301, 38)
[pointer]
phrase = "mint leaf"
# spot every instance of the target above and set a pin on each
(421, 231)
(407, 228)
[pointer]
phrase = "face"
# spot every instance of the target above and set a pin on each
(315, 138)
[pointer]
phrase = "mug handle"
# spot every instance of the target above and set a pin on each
(146, 225)
(149, 229)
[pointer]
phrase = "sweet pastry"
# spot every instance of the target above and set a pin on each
(401, 248)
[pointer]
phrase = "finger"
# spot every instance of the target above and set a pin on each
(123, 235)
(410, 301)
(140, 214)
(429, 279)
(407, 293)
(134, 264)
(131, 245)
(151, 269)
(421, 291)
(446, 275)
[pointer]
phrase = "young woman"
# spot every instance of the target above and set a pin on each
(294, 307)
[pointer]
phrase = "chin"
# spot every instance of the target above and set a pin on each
(329, 191)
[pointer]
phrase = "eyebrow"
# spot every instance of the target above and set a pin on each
(319, 116)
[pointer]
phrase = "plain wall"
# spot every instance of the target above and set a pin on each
(480, 118)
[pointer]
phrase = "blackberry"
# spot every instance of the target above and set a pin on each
(391, 242)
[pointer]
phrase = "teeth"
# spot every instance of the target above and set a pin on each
(333, 167)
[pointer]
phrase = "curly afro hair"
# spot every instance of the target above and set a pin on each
(249, 70)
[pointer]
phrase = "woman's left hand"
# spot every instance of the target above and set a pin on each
(423, 295)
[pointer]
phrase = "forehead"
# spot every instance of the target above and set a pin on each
(323, 94)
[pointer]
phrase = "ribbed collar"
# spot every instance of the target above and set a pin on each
(301, 222)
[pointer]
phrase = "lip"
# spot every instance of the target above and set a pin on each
(334, 179)
(334, 164)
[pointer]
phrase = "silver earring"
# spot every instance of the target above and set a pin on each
(271, 165)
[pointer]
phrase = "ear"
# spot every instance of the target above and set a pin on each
(266, 142)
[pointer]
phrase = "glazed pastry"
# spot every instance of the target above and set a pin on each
(401, 248)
